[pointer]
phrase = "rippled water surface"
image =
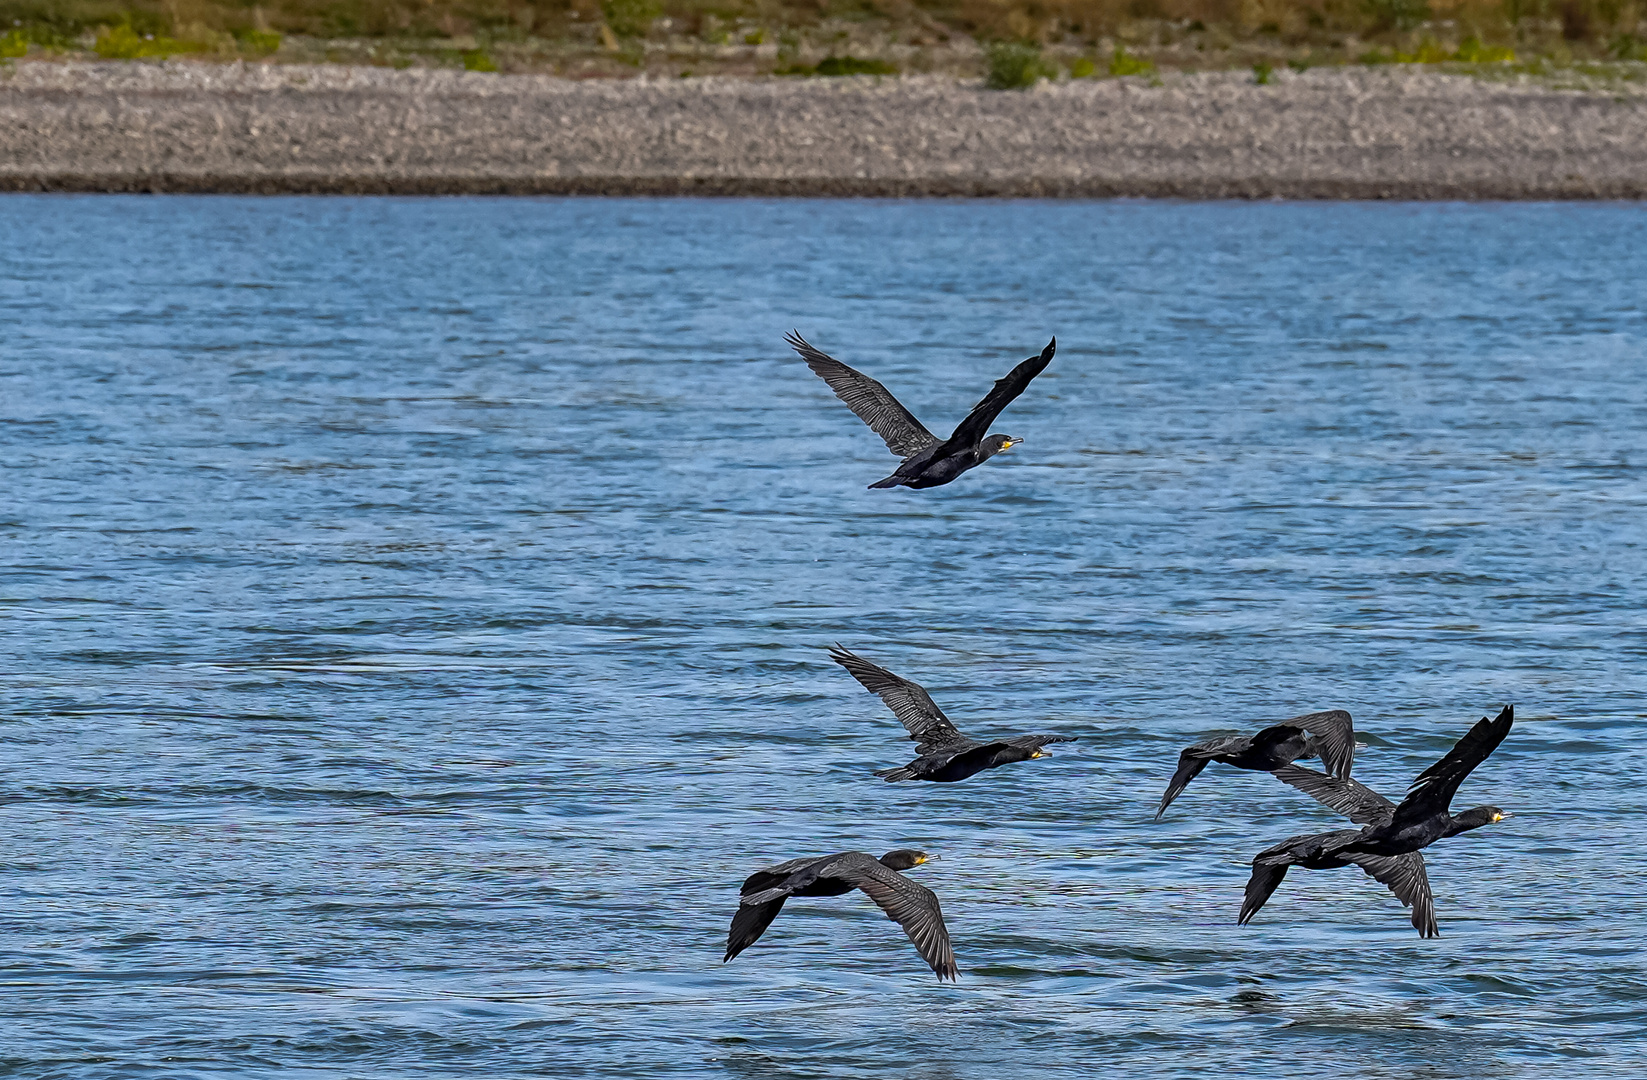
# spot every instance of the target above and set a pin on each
(414, 618)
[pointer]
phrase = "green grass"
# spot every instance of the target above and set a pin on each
(124, 43)
(1122, 62)
(852, 65)
(630, 18)
(1015, 65)
(259, 43)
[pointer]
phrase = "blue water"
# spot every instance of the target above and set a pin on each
(414, 615)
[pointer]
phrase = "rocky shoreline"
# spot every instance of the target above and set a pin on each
(1398, 132)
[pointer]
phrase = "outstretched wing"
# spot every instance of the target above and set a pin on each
(913, 706)
(913, 907)
(1194, 759)
(1190, 765)
(1435, 787)
(1270, 865)
(762, 897)
(749, 922)
(1404, 876)
(1266, 878)
(1334, 733)
(1353, 799)
(873, 403)
(983, 414)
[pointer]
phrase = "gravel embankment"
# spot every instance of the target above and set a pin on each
(1327, 133)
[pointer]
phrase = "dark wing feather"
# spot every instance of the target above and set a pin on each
(762, 880)
(772, 887)
(913, 907)
(1219, 746)
(1035, 742)
(1435, 787)
(749, 922)
(1334, 733)
(909, 702)
(873, 403)
(983, 414)
(1353, 799)
(1190, 765)
(1266, 877)
(1404, 876)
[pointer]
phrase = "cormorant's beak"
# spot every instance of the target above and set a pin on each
(1010, 443)
(1500, 816)
(925, 858)
(1038, 753)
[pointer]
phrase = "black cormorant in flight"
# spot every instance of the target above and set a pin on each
(912, 906)
(928, 460)
(1327, 735)
(1388, 845)
(945, 754)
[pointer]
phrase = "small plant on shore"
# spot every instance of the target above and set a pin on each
(258, 42)
(13, 45)
(1626, 47)
(1082, 68)
(1429, 51)
(1262, 71)
(630, 18)
(1015, 65)
(478, 60)
(852, 65)
(124, 43)
(1471, 51)
(1122, 62)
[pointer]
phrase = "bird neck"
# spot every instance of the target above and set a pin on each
(1464, 822)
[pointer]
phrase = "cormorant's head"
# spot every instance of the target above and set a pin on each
(1474, 818)
(994, 444)
(904, 858)
(1008, 754)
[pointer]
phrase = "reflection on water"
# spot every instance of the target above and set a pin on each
(418, 611)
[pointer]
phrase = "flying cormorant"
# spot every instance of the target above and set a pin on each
(912, 906)
(945, 754)
(1327, 735)
(928, 461)
(1388, 845)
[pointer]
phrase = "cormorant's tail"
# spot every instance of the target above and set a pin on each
(892, 776)
(890, 482)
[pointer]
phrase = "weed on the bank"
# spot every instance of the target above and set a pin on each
(1014, 65)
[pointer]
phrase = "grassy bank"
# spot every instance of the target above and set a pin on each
(1013, 42)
